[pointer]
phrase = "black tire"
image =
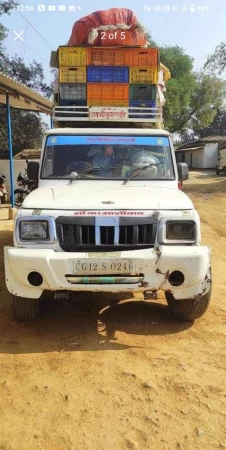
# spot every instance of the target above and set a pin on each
(217, 171)
(26, 308)
(225, 170)
(188, 309)
(19, 196)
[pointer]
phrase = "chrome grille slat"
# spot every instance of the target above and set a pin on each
(78, 234)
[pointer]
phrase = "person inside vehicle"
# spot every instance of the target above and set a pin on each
(105, 160)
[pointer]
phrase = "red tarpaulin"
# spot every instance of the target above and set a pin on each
(112, 27)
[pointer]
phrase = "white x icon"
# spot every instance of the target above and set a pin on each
(18, 35)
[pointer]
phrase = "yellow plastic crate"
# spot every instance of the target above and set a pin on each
(72, 56)
(107, 103)
(139, 75)
(72, 75)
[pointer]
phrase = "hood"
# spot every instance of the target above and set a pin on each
(80, 197)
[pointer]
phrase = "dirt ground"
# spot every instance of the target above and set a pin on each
(93, 375)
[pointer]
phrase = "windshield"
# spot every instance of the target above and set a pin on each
(111, 157)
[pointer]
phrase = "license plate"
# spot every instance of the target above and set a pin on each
(101, 267)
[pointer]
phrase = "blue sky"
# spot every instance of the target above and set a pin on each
(197, 32)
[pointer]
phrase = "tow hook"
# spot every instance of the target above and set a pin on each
(61, 295)
(150, 295)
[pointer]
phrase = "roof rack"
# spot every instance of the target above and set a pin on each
(107, 113)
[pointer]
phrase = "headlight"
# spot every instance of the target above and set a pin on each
(184, 231)
(177, 231)
(33, 230)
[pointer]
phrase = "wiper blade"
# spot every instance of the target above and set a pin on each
(89, 170)
(139, 169)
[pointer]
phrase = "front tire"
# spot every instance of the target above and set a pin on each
(26, 308)
(188, 309)
(19, 196)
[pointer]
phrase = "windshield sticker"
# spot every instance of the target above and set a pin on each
(123, 140)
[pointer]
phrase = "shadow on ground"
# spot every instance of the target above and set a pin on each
(88, 323)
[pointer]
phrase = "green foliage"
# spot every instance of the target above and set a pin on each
(217, 61)
(192, 99)
(27, 131)
(217, 127)
(7, 6)
(151, 42)
(27, 127)
(180, 87)
(32, 75)
(176, 59)
(207, 98)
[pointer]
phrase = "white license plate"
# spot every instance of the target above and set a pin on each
(101, 267)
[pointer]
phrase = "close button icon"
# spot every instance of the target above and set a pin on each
(18, 35)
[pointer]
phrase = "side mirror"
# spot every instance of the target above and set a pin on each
(32, 170)
(183, 171)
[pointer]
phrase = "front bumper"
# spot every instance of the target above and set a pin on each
(153, 267)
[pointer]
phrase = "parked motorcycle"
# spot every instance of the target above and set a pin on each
(3, 191)
(26, 186)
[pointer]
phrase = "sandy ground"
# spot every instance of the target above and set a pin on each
(92, 375)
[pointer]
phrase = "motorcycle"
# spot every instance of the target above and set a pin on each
(26, 186)
(3, 191)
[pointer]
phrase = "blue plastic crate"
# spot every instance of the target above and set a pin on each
(142, 104)
(108, 74)
(72, 103)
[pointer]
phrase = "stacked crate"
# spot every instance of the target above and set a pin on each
(144, 63)
(107, 76)
(72, 76)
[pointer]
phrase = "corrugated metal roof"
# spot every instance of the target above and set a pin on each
(22, 97)
(189, 148)
(220, 140)
(29, 154)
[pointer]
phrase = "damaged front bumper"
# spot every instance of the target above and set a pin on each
(185, 271)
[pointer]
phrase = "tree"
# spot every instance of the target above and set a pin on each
(27, 127)
(217, 127)
(27, 131)
(192, 99)
(217, 61)
(31, 75)
(206, 99)
(7, 6)
(180, 87)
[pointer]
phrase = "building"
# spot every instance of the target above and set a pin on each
(202, 154)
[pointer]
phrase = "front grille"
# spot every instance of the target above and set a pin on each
(79, 234)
